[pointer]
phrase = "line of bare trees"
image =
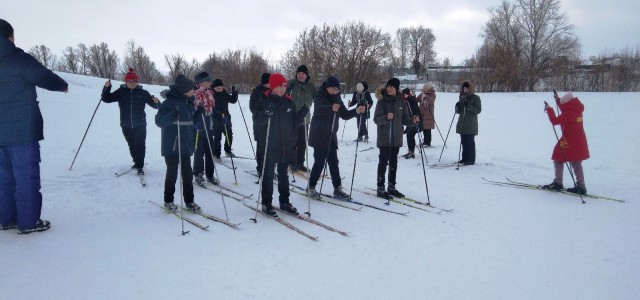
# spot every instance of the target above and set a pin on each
(528, 45)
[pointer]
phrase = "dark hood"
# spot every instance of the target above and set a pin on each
(6, 47)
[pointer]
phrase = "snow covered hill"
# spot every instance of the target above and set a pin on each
(108, 242)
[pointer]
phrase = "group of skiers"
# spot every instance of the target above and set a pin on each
(194, 118)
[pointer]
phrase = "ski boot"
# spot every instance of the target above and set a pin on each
(553, 186)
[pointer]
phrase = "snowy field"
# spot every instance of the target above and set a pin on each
(108, 242)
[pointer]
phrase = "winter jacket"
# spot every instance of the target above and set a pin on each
(302, 93)
(257, 96)
(427, 108)
(20, 73)
(131, 103)
(362, 98)
(469, 106)
(204, 98)
(283, 131)
(320, 129)
(573, 142)
(221, 111)
(414, 110)
(387, 104)
(166, 119)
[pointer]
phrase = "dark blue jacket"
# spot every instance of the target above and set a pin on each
(131, 103)
(222, 106)
(166, 119)
(283, 131)
(320, 129)
(20, 73)
(362, 98)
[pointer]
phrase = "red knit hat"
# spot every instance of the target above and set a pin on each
(276, 80)
(131, 76)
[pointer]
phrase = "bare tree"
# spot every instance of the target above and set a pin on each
(353, 51)
(84, 59)
(136, 58)
(178, 64)
(43, 54)
(102, 62)
(532, 35)
(417, 42)
(69, 62)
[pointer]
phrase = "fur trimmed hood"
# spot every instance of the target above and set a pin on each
(472, 86)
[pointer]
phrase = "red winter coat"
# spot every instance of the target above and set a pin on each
(573, 140)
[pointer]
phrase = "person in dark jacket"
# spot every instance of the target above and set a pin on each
(21, 129)
(132, 98)
(572, 146)
(176, 117)
(390, 115)
(256, 97)
(469, 106)
(327, 107)
(411, 131)
(362, 97)
(278, 121)
(301, 89)
(203, 156)
(222, 127)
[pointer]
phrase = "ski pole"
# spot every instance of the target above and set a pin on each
(326, 160)
(355, 159)
(180, 170)
(343, 128)
(226, 137)
(306, 150)
(566, 162)
(85, 134)
(264, 163)
(424, 172)
(445, 140)
(459, 153)
(215, 170)
(247, 127)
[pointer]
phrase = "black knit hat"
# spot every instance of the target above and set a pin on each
(303, 69)
(182, 84)
(217, 82)
(365, 85)
(6, 30)
(202, 77)
(394, 82)
(332, 81)
(264, 79)
(406, 91)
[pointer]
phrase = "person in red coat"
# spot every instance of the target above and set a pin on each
(572, 146)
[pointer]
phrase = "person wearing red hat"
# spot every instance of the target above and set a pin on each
(572, 146)
(278, 121)
(132, 98)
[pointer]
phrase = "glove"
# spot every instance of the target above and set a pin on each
(233, 88)
(458, 107)
(304, 110)
(200, 110)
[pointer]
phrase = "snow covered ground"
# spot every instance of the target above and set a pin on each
(108, 242)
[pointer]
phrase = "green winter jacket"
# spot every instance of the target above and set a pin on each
(469, 106)
(302, 93)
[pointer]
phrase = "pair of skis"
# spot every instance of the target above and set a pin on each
(512, 183)
(195, 223)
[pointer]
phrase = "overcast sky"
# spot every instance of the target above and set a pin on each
(196, 28)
